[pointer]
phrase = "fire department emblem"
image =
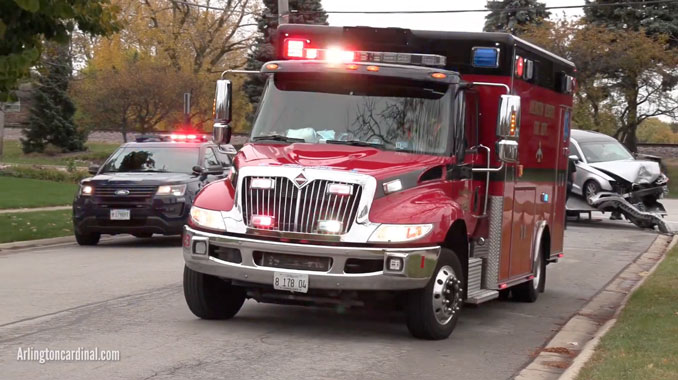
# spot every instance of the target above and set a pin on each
(300, 180)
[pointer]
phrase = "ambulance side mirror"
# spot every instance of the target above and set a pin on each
(508, 117)
(507, 150)
(221, 132)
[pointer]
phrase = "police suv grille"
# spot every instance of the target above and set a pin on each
(134, 192)
(299, 210)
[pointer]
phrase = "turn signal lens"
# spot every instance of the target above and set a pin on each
(439, 75)
(513, 123)
(373, 68)
(272, 66)
(352, 67)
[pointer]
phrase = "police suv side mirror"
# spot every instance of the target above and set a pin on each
(221, 132)
(508, 117)
(93, 169)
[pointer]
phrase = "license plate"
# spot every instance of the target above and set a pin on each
(120, 215)
(290, 281)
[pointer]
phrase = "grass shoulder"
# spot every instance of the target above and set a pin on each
(643, 344)
(26, 193)
(35, 225)
(95, 153)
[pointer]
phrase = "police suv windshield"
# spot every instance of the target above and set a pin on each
(152, 159)
(387, 113)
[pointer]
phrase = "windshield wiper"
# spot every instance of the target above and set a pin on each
(278, 138)
(356, 143)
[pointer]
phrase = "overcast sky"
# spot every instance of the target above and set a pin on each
(470, 22)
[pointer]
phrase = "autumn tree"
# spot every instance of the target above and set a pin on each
(26, 24)
(187, 45)
(51, 117)
(304, 12)
(654, 130)
(513, 16)
(627, 73)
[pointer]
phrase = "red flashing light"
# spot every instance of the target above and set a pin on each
(191, 137)
(503, 286)
(561, 255)
(520, 66)
(262, 221)
(294, 48)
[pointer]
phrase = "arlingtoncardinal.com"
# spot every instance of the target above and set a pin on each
(80, 354)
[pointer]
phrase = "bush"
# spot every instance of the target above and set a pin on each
(45, 174)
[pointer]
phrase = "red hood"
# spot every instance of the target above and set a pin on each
(375, 162)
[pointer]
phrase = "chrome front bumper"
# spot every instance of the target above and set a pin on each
(419, 263)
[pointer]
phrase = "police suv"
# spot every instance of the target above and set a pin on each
(147, 187)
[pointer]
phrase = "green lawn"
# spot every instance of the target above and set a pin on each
(35, 225)
(24, 192)
(96, 152)
(643, 344)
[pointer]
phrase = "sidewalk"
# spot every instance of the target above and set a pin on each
(22, 210)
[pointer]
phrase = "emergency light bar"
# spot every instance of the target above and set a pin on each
(296, 48)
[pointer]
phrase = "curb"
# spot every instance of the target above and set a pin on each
(39, 243)
(34, 209)
(573, 345)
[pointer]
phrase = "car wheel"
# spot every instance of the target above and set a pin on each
(90, 238)
(144, 235)
(591, 188)
(529, 291)
(209, 297)
(432, 312)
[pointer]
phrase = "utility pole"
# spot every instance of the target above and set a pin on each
(283, 12)
(2, 127)
(187, 108)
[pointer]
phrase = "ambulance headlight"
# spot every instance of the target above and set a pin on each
(400, 233)
(207, 218)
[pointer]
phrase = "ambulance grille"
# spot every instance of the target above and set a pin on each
(297, 209)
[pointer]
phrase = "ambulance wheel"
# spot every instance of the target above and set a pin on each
(591, 188)
(90, 238)
(432, 312)
(529, 291)
(209, 297)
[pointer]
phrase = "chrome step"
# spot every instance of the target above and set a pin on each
(476, 294)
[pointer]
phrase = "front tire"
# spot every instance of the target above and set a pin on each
(432, 312)
(209, 297)
(591, 188)
(87, 239)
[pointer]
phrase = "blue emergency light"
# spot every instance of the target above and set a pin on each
(486, 57)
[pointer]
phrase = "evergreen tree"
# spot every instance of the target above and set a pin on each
(654, 18)
(512, 16)
(51, 118)
(301, 12)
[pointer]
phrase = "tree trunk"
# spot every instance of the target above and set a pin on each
(629, 138)
(123, 130)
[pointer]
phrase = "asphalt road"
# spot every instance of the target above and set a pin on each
(126, 295)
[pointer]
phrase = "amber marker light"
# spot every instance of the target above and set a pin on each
(439, 75)
(373, 68)
(272, 66)
(352, 67)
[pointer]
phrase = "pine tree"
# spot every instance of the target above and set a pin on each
(51, 118)
(511, 16)
(654, 18)
(302, 12)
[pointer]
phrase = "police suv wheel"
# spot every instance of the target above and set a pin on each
(432, 312)
(209, 297)
(90, 238)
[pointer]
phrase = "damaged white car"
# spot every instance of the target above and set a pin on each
(605, 166)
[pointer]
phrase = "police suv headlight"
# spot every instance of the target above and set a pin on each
(207, 218)
(399, 233)
(176, 190)
(86, 190)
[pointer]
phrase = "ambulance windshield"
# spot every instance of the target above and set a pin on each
(399, 115)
